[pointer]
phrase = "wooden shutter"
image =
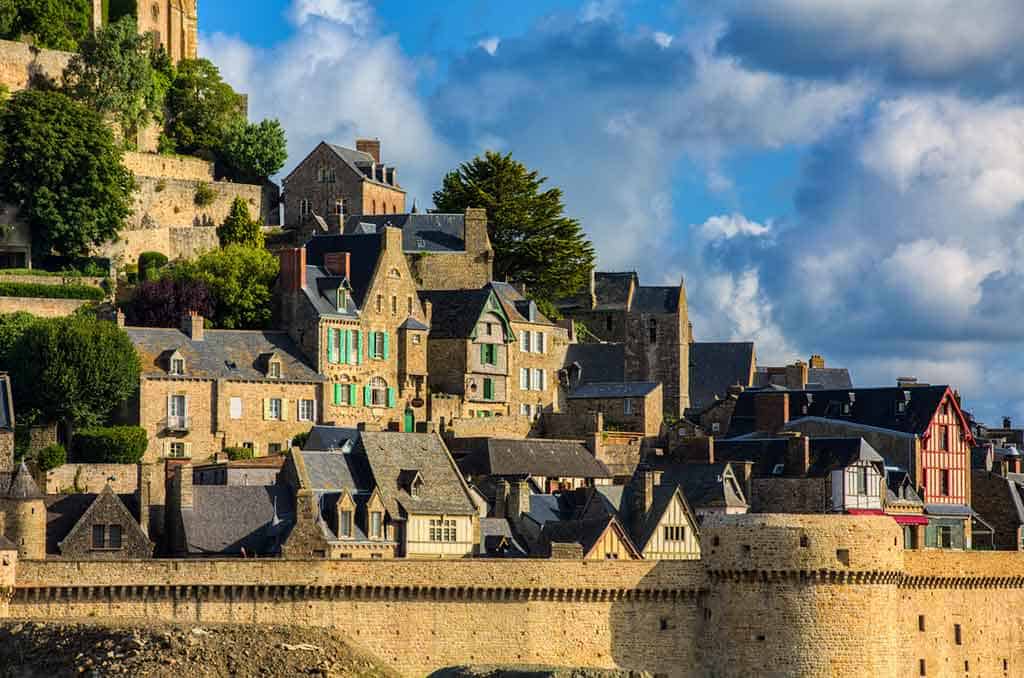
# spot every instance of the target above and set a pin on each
(266, 409)
(337, 394)
(483, 354)
(360, 355)
(488, 389)
(284, 409)
(353, 394)
(387, 349)
(346, 351)
(332, 356)
(391, 397)
(188, 450)
(367, 396)
(540, 342)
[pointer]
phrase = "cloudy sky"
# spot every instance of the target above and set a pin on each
(843, 178)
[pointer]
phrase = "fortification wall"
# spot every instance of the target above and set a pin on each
(45, 308)
(415, 615)
(168, 166)
(123, 478)
(20, 63)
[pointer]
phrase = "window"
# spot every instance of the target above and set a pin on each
(860, 485)
(113, 536)
(273, 448)
(373, 207)
(99, 536)
(177, 450)
(652, 331)
(177, 366)
(176, 406)
(409, 302)
(394, 305)
(326, 175)
(376, 524)
(488, 388)
(538, 380)
(274, 408)
(345, 524)
(945, 537)
(377, 348)
(675, 533)
(524, 341)
(611, 556)
(378, 392)
(235, 408)
(307, 410)
(944, 482)
(627, 406)
(901, 407)
(416, 339)
(942, 438)
(275, 370)
(106, 536)
(304, 209)
(339, 207)
(608, 323)
(489, 354)
(525, 410)
(380, 303)
(956, 634)
(920, 623)
(538, 342)
(442, 530)
(524, 378)
(716, 427)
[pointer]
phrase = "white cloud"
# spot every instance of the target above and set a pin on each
(663, 40)
(355, 13)
(728, 226)
(489, 45)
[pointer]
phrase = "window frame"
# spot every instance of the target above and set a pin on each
(375, 524)
(307, 409)
(279, 402)
(177, 366)
(378, 386)
(945, 482)
(345, 522)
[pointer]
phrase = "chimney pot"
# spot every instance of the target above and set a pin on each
(192, 325)
(771, 412)
(817, 362)
(371, 146)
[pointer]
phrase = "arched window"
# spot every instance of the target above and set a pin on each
(378, 392)
(304, 207)
(373, 207)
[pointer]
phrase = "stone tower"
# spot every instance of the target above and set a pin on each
(25, 516)
(174, 24)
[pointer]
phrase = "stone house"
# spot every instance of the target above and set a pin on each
(258, 471)
(445, 251)
(626, 406)
(204, 390)
(469, 347)
(350, 304)
(103, 526)
(334, 182)
(586, 539)
(652, 323)
(363, 494)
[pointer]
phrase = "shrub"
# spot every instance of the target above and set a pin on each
(300, 439)
(51, 456)
(238, 453)
(74, 291)
(147, 259)
(111, 444)
(205, 195)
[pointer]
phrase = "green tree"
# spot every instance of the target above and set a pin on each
(254, 151)
(52, 24)
(60, 165)
(534, 242)
(201, 107)
(114, 74)
(240, 228)
(77, 370)
(240, 279)
(12, 327)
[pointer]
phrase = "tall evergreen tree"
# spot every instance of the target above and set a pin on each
(534, 242)
(240, 228)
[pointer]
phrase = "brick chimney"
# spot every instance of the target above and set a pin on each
(648, 479)
(798, 453)
(817, 362)
(338, 263)
(371, 146)
(393, 239)
(192, 325)
(796, 376)
(293, 269)
(771, 412)
(475, 233)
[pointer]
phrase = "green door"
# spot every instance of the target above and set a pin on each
(409, 425)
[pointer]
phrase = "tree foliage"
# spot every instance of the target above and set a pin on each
(60, 165)
(253, 151)
(534, 242)
(240, 228)
(75, 369)
(51, 24)
(119, 73)
(110, 444)
(240, 280)
(164, 301)
(51, 457)
(201, 108)
(12, 327)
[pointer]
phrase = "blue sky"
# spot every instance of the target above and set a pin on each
(837, 178)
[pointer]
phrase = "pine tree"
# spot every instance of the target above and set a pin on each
(535, 244)
(239, 228)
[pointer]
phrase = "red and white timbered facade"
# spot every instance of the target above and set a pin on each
(945, 455)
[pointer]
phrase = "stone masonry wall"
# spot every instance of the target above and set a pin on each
(20, 62)
(168, 166)
(92, 478)
(46, 308)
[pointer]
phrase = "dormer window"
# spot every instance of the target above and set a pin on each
(274, 370)
(376, 525)
(411, 481)
(345, 524)
(177, 365)
(342, 299)
(901, 407)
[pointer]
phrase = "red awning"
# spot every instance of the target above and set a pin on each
(910, 520)
(865, 512)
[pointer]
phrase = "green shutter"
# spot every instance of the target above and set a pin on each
(387, 349)
(483, 353)
(360, 355)
(337, 394)
(367, 396)
(391, 397)
(352, 395)
(488, 389)
(332, 356)
(348, 347)
(343, 347)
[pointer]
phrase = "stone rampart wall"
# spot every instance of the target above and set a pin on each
(46, 308)
(494, 427)
(123, 478)
(168, 166)
(20, 63)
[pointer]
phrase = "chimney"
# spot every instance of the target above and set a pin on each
(393, 239)
(145, 474)
(771, 412)
(1007, 422)
(293, 268)
(371, 146)
(648, 479)
(817, 362)
(501, 499)
(192, 325)
(392, 176)
(518, 500)
(183, 481)
(796, 376)
(119, 317)
(428, 311)
(475, 230)
(338, 263)
(798, 454)
(696, 450)
(906, 382)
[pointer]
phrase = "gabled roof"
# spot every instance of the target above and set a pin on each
(598, 362)
(826, 454)
(228, 518)
(64, 512)
(664, 495)
(518, 307)
(660, 299)
(623, 389)
(364, 249)
(587, 533)
(222, 354)
(322, 288)
(420, 232)
(105, 502)
(612, 290)
(705, 486)
(531, 457)
(354, 159)
(456, 313)
(828, 378)
(715, 366)
(875, 407)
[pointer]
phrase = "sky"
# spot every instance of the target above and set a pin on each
(836, 178)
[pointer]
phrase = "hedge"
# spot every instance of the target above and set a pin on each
(152, 259)
(40, 290)
(41, 273)
(51, 456)
(238, 453)
(110, 444)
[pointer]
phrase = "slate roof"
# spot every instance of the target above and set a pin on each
(585, 532)
(531, 457)
(517, 307)
(899, 488)
(322, 289)
(598, 362)
(705, 486)
(364, 250)
(428, 232)
(377, 459)
(611, 290)
(829, 377)
(6, 544)
(222, 354)
(826, 454)
(649, 299)
(870, 407)
(715, 366)
(228, 518)
(624, 389)
(22, 486)
(455, 312)
(498, 539)
(664, 494)
(545, 508)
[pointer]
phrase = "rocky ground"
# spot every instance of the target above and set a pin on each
(94, 650)
(533, 672)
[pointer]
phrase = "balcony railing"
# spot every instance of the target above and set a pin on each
(176, 423)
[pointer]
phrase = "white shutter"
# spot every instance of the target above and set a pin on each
(170, 405)
(236, 408)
